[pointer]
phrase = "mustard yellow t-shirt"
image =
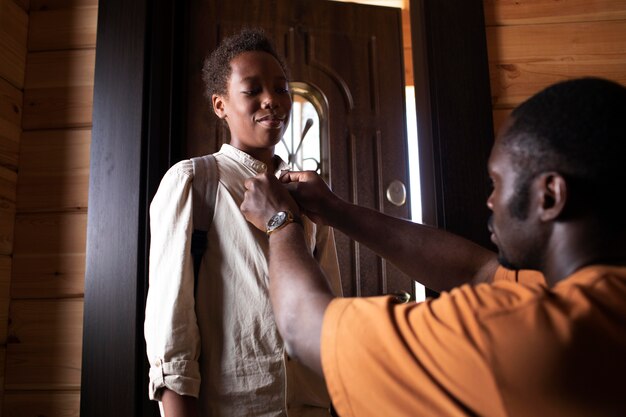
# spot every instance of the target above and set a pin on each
(502, 349)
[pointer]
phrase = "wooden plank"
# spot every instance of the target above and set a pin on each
(7, 227)
(44, 345)
(54, 170)
(5, 284)
(49, 255)
(60, 69)
(58, 275)
(73, 28)
(8, 179)
(39, 404)
(58, 108)
(46, 322)
(60, 4)
(58, 89)
(43, 366)
(3, 355)
(13, 39)
(24, 4)
(406, 43)
(10, 103)
(524, 12)
(8, 183)
(526, 59)
(564, 42)
(499, 116)
(10, 124)
(9, 144)
(49, 234)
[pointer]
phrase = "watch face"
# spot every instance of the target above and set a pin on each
(276, 220)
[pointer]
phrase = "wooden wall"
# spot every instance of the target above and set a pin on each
(534, 43)
(44, 343)
(13, 40)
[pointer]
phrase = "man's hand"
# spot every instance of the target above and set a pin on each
(264, 197)
(312, 194)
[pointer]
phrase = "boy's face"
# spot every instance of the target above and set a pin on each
(258, 103)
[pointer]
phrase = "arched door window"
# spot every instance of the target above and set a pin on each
(305, 143)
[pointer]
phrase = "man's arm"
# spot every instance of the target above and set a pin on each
(299, 291)
(433, 257)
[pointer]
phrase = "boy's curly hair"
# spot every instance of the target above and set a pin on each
(216, 70)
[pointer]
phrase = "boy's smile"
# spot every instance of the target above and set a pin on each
(272, 121)
(258, 104)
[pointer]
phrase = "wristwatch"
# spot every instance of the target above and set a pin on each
(280, 220)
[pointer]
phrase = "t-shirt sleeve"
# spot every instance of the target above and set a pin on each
(381, 358)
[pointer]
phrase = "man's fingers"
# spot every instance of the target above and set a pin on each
(249, 183)
(296, 176)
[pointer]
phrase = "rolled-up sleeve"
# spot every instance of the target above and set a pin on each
(170, 328)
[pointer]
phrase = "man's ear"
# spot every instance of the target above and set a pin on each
(553, 194)
(218, 106)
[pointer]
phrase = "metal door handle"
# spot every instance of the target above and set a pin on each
(396, 193)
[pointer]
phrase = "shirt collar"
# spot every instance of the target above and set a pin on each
(249, 161)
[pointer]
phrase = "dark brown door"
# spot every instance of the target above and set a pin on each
(352, 53)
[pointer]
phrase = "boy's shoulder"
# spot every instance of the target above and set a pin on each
(184, 167)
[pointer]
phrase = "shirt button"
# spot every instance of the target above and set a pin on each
(157, 363)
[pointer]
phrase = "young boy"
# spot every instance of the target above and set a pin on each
(221, 346)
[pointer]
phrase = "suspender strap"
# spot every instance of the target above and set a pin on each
(204, 189)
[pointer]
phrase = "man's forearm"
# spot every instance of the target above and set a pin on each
(433, 257)
(299, 293)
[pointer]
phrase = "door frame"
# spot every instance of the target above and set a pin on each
(131, 147)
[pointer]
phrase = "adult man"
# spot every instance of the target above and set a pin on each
(490, 346)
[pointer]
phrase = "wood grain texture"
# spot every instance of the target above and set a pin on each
(10, 124)
(36, 5)
(50, 233)
(57, 275)
(8, 179)
(499, 116)
(9, 144)
(59, 89)
(528, 12)
(13, 38)
(525, 59)
(39, 404)
(24, 4)
(3, 354)
(73, 28)
(44, 344)
(54, 170)
(406, 43)
(10, 103)
(5, 284)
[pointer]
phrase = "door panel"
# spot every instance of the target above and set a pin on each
(352, 53)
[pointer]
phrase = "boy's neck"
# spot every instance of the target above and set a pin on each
(265, 155)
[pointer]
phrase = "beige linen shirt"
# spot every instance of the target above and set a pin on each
(223, 346)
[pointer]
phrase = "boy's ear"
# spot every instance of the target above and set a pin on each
(218, 105)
